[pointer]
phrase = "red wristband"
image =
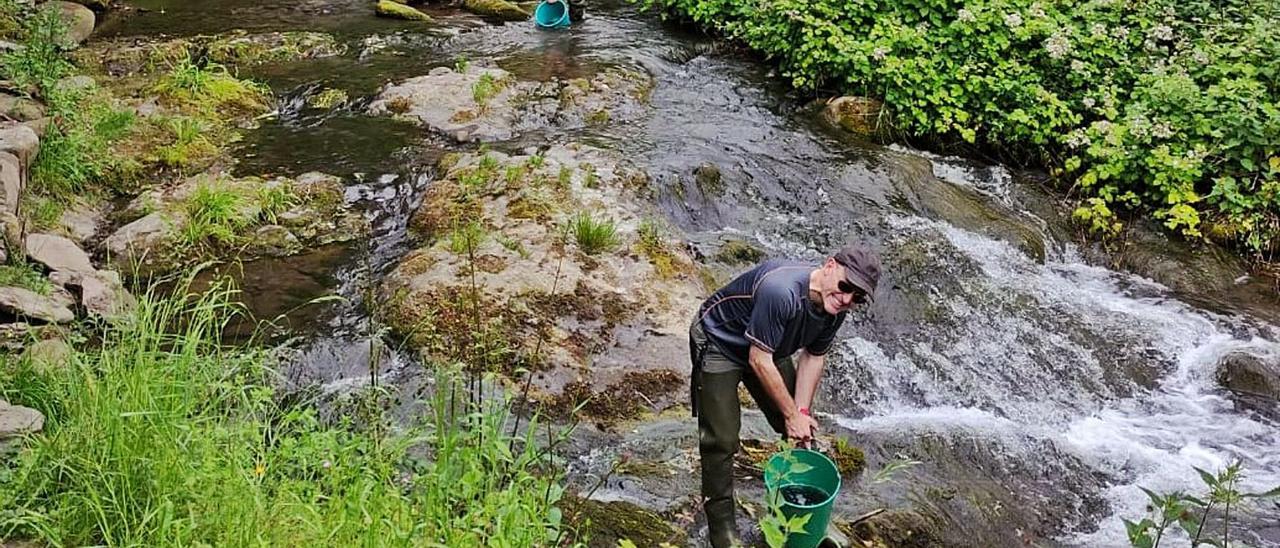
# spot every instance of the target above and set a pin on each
(805, 411)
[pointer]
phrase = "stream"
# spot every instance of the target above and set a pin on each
(1035, 381)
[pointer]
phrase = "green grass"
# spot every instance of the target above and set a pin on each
(275, 200)
(190, 144)
(24, 275)
(593, 236)
(170, 438)
(40, 62)
(467, 238)
(215, 214)
(206, 88)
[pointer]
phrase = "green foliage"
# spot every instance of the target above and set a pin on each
(460, 64)
(1191, 513)
(653, 246)
(215, 214)
(205, 88)
(485, 89)
(1167, 106)
(190, 143)
(24, 275)
(564, 179)
(41, 61)
(892, 468)
(775, 525)
(465, 239)
(276, 199)
(594, 236)
(170, 438)
(76, 149)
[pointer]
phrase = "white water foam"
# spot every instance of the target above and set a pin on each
(1151, 438)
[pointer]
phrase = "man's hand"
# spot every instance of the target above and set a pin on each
(801, 428)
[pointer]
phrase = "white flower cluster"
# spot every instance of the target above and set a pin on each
(1077, 139)
(965, 16)
(1121, 33)
(1058, 45)
(1078, 66)
(1098, 30)
(880, 53)
(1162, 130)
(1037, 11)
(1162, 32)
(1013, 20)
(1201, 57)
(1089, 102)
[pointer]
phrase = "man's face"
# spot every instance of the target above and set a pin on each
(838, 294)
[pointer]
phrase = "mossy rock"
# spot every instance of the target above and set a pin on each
(387, 8)
(607, 523)
(849, 459)
(739, 252)
(709, 179)
(500, 9)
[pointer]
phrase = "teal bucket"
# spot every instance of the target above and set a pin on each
(811, 492)
(552, 14)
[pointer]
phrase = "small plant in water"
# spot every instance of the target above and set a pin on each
(213, 213)
(484, 90)
(276, 199)
(593, 235)
(460, 64)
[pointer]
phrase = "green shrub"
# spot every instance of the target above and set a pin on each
(215, 214)
(25, 276)
(1165, 106)
(40, 62)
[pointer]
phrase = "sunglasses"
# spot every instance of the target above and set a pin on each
(859, 296)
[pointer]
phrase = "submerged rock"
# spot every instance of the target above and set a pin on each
(547, 270)
(131, 56)
(218, 215)
(859, 115)
(500, 9)
(396, 10)
(490, 104)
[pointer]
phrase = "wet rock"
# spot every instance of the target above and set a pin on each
(276, 241)
(1189, 269)
(11, 181)
(101, 292)
(25, 303)
(708, 178)
(80, 222)
(312, 208)
(131, 56)
(499, 9)
(20, 141)
(47, 355)
(897, 528)
(1251, 374)
(79, 20)
(327, 99)
(396, 10)
(859, 115)
(964, 207)
(133, 243)
(57, 253)
(490, 104)
(21, 109)
(17, 421)
(612, 310)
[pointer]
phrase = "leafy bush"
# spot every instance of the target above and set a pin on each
(1167, 106)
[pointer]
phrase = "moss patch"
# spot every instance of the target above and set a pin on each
(849, 459)
(739, 252)
(895, 529)
(626, 399)
(607, 523)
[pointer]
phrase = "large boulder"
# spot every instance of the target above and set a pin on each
(612, 322)
(396, 10)
(489, 104)
(24, 303)
(19, 140)
(1251, 374)
(80, 222)
(57, 252)
(79, 20)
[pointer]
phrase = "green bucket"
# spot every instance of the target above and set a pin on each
(811, 491)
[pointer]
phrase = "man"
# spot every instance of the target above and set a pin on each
(746, 333)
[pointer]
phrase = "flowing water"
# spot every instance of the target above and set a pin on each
(1070, 383)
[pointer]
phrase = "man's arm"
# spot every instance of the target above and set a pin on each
(799, 427)
(808, 373)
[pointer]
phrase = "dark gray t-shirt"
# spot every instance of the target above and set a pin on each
(768, 306)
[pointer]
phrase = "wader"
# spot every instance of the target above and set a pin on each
(714, 400)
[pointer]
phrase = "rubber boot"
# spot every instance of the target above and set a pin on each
(722, 526)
